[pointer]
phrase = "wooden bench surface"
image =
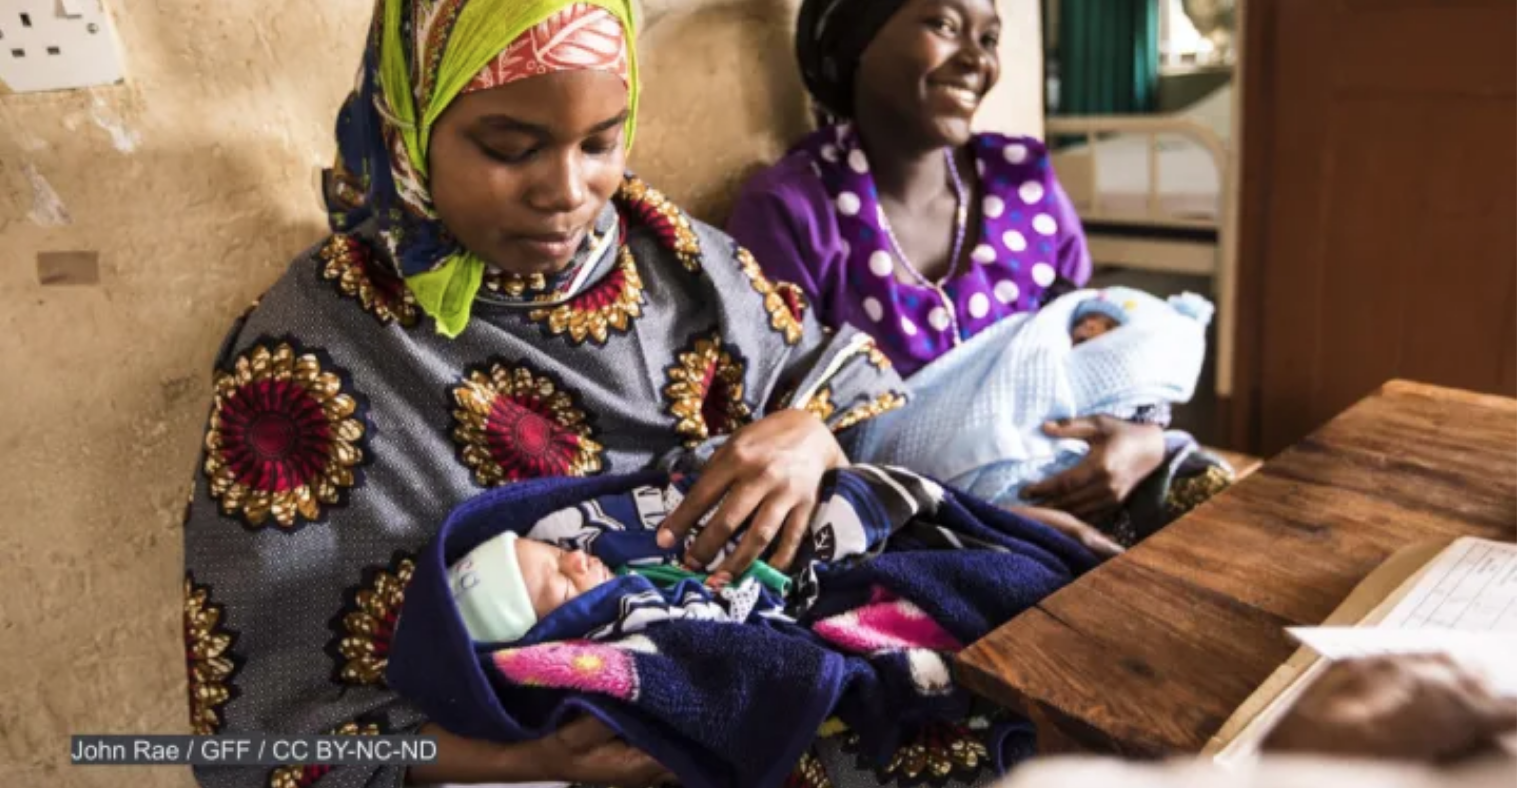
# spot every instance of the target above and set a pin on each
(1150, 653)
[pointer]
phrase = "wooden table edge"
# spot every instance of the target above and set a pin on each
(1402, 386)
(1058, 731)
(1073, 733)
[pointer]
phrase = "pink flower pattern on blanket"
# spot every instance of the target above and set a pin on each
(572, 664)
(886, 623)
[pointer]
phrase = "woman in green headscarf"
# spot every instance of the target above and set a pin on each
(498, 302)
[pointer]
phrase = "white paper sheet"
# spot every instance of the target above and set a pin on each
(1462, 606)
(1493, 655)
(1471, 587)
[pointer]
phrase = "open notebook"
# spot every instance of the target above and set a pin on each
(1450, 597)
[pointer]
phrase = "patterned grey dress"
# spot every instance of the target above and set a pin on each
(343, 430)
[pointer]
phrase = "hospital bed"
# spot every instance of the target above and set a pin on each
(1155, 193)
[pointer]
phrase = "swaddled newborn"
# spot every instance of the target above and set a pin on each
(546, 599)
(977, 414)
(1096, 316)
(506, 585)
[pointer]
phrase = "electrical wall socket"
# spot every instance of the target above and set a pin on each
(56, 45)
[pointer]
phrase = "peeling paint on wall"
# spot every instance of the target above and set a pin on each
(47, 209)
(123, 138)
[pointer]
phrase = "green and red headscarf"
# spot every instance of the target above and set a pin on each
(423, 54)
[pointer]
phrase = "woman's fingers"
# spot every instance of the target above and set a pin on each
(782, 456)
(1088, 535)
(1501, 715)
(1091, 489)
(738, 505)
(761, 531)
(585, 733)
(1090, 504)
(1098, 543)
(1085, 428)
(618, 763)
(797, 527)
(645, 771)
(703, 495)
(1062, 485)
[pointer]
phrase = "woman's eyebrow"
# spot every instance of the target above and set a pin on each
(508, 123)
(499, 122)
(609, 123)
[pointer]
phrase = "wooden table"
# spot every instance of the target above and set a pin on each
(1151, 652)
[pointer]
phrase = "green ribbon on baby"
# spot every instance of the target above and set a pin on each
(667, 575)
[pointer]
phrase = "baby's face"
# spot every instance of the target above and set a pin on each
(1090, 327)
(555, 576)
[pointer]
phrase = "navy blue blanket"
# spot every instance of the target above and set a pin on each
(728, 688)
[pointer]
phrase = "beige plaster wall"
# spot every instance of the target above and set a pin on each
(194, 183)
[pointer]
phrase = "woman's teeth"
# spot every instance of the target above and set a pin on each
(962, 95)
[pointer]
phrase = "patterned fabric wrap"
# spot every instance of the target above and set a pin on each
(981, 408)
(341, 435)
(578, 38)
(421, 55)
(730, 688)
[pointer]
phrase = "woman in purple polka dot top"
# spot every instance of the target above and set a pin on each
(896, 218)
(867, 215)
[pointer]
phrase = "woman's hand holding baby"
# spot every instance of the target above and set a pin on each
(587, 751)
(767, 474)
(1122, 455)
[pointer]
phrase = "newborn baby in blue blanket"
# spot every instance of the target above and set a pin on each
(977, 413)
(510, 583)
(547, 599)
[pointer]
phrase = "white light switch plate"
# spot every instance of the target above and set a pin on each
(56, 45)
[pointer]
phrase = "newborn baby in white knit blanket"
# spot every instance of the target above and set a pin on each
(977, 414)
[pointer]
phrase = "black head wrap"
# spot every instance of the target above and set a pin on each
(831, 35)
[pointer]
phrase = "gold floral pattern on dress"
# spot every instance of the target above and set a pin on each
(513, 424)
(784, 301)
(366, 623)
(302, 776)
(609, 305)
(938, 750)
(879, 359)
(350, 263)
(1188, 492)
(821, 404)
(883, 403)
(706, 391)
(513, 285)
(649, 207)
(809, 773)
(285, 440)
(208, 658)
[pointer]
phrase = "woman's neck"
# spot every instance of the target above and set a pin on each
(909, 173)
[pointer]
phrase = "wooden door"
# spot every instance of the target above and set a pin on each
(1377, 214)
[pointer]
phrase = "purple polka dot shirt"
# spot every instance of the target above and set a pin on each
(814, 219)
